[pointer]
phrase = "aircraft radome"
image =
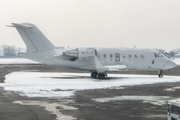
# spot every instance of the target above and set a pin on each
(96, 60)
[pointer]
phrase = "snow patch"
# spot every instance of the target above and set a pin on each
(17, 61)
(36, 84)
(155, 100)
(52, 107)
(172, 89)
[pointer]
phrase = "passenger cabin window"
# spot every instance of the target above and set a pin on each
(142, 56)
(129, 56)
(111, 56)
(104, 55)
(135, 56)
(117, 57)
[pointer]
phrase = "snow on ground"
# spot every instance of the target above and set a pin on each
(17, 61)
(35, 84)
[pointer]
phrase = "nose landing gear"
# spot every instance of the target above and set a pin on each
(160, 74)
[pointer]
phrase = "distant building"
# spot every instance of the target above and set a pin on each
(21, 51)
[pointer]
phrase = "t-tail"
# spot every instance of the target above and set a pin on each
(34, 39)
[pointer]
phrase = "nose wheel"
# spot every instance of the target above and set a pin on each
(160, 74)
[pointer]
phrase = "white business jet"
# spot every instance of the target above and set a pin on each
(96, 60)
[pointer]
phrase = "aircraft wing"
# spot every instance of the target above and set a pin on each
(116, 67)
(99, 67)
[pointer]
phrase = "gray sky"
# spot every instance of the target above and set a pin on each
(95, 23)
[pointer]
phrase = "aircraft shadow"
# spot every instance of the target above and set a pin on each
(85, 77)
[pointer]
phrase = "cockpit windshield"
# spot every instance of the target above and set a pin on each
(158, 54)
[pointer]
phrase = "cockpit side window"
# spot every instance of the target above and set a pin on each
(157, 54)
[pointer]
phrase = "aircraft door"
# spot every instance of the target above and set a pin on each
(117, 57)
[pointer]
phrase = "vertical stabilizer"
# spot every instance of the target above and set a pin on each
(34, 39)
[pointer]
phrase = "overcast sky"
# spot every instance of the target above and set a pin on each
(95, 23)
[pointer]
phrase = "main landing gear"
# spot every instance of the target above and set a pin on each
(100, 75)
(103, 75)
(160, 74)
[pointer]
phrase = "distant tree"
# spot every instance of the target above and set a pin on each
(9, 51)
(176, 51)
(172, 53)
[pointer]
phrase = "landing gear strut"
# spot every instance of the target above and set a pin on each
(100, 75)
(160, 74)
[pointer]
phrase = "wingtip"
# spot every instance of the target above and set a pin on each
(10, 26)
(13, 25)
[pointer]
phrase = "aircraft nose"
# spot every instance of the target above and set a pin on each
(170, 64)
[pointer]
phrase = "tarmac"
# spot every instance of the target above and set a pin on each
(84, 105)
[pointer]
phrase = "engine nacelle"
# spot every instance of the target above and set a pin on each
(71, 54)
(86, 53)
(80, 53)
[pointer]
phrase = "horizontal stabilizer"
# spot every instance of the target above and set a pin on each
(58, 56)
(20, 25)
(10, 26)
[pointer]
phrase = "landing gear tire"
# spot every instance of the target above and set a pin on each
(94, 74)
(160, 74)
(101, 76)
